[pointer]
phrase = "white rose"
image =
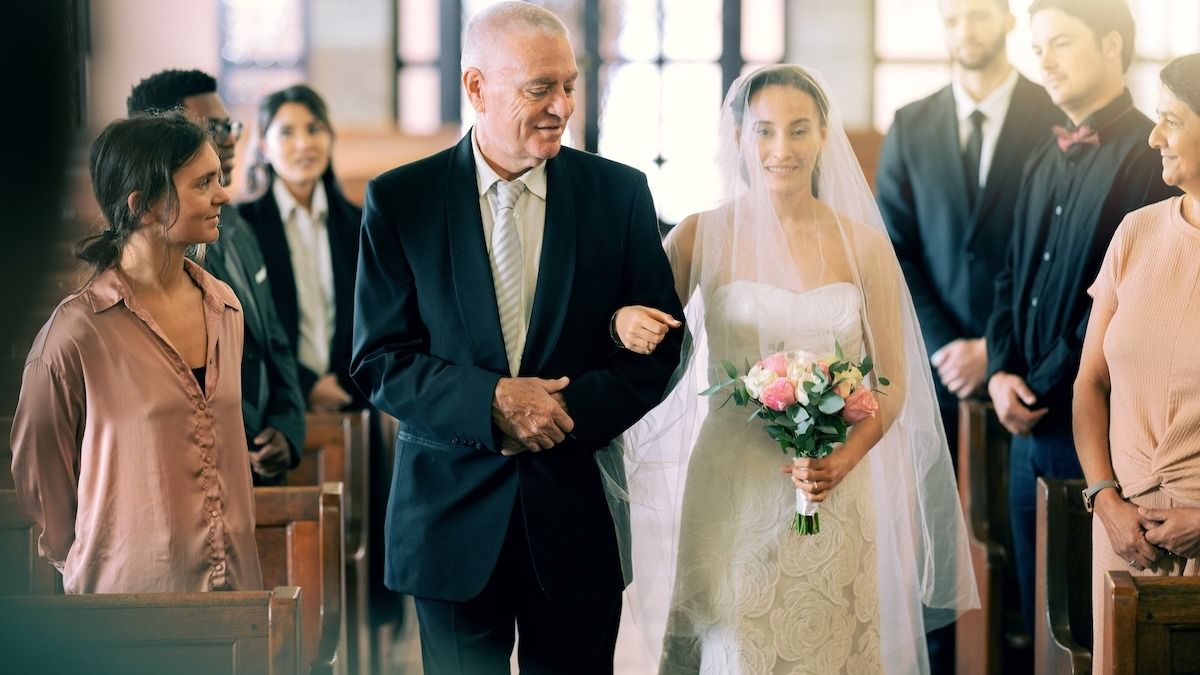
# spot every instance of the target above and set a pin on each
(803, 357)
(757, 379)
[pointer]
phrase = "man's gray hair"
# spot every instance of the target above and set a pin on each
(505, 18)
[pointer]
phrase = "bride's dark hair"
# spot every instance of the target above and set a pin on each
(785, 76)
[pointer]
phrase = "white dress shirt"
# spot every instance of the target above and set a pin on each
(312, 266)
(530, 215)
(994, 109)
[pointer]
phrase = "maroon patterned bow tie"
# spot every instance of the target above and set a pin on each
(1083, 134)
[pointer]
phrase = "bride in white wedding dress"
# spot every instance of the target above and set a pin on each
(795, 258)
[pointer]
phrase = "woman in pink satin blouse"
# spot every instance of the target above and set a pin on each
(128, 447)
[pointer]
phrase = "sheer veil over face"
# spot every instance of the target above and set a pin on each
(796, 218)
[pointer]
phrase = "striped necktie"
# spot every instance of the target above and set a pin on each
(508, 268)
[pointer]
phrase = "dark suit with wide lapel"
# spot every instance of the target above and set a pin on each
(950, 252)
(271, 394)
(428, 349)
(342, 226)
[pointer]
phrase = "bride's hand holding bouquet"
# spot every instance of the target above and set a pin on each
(810, 404)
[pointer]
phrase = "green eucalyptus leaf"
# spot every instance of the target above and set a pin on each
(730, 369)
(831, 403)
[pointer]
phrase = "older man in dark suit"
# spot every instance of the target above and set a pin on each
(487, 280)
(948, 177)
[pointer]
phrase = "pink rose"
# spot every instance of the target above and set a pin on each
(779, 395)
(860, 406)
(777, 362)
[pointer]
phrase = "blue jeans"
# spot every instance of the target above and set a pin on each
(1049, 452)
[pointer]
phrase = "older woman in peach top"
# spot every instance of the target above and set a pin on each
(1137, 417)
(128, 447)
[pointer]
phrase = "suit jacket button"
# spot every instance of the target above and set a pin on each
(970, 256)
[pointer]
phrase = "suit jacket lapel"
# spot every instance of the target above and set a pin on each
(946, 146)
(1011, 148)
(556, 269)
(235, 272)
(469, 264)
(278, 257)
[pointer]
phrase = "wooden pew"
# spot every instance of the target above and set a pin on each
(387, 622)
(22, 570)
(320, 464)
(182, 633)
(300, 543)
(1151, 625)
(985, 639)
(1062, 642)
(349, 432)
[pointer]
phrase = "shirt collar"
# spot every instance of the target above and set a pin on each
(486, 176)
(993, 107)
(1110, 113)
(288, 204)
(109, 288)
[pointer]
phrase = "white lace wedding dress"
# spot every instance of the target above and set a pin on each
(751, 596)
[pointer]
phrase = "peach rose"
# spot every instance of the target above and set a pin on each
(860, 406)
(779, 395)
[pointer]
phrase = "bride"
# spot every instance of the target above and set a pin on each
(794, 258)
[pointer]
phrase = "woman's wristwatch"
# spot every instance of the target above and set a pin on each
(1089, 494)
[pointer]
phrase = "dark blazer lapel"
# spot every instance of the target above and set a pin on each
(945, 146)
(278, 256)
(469, 264)
(1011, 148)
(252, 313)
(556, 268)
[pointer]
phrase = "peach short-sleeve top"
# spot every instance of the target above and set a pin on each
(138, 479)
(1150, 279)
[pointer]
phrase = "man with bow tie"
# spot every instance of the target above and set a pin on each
(1077, 186)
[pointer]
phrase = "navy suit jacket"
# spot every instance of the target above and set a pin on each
(951, 253)
(428, 349)
(343, 228)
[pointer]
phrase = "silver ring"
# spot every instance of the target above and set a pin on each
(1133, 564)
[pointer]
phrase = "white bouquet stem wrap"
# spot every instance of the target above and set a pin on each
(807, 520)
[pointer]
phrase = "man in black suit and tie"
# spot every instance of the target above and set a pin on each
(488, 277)
(272, 405)
(948, 176)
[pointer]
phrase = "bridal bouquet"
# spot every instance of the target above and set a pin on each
(810, 403)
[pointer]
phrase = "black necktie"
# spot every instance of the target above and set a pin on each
(972, 154)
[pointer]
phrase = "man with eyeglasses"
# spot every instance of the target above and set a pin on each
(272, 404)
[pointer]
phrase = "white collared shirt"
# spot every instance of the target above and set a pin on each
(530, 214)
(312, 267)
(994, 109)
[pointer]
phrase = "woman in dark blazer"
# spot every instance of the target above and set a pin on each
(308, 232)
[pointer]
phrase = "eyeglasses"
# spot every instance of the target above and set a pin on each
(224, 130)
